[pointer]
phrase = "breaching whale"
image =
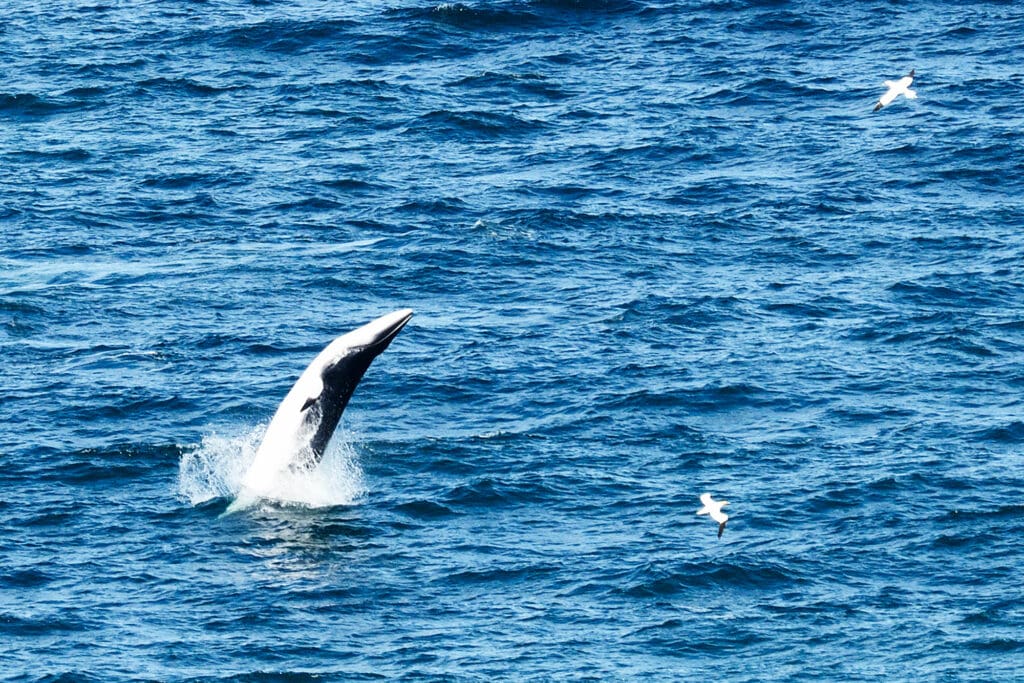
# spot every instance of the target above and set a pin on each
(302, 427)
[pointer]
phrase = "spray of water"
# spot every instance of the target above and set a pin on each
(216, 467)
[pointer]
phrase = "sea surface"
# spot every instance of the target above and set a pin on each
(654, 249)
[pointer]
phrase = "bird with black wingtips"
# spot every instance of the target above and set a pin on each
(895, 89)
(714, 508)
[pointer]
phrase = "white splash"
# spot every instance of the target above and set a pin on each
(217, 467)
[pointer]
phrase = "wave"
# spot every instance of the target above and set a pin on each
(29, 105)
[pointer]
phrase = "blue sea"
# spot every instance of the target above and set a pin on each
(654, 248)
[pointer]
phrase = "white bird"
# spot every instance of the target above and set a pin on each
(900, 87)
(714, 508)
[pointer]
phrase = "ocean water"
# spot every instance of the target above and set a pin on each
(654, 249)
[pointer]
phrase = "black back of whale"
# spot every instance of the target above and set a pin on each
(339, 380)
(323, 413)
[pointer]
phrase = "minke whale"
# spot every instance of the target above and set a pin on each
(304, 423)
(900, 87)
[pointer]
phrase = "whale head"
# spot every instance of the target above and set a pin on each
(339, 368)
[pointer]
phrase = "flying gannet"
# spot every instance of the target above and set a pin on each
(714, 508)
(900, 87)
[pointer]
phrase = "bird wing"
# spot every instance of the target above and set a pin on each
(721, 528)
(706, 498)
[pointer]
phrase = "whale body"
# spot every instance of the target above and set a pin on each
(304, 423)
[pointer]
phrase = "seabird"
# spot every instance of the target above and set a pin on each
(714, 508)
(900, 87)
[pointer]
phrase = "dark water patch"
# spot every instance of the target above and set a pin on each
(128, 405)
(492, 492)
(457, 125)
(704, 399)
(25, 578)
(16, 626)
(321, 112)
(49, 519)
(704, 311)
(402, 41)
(438, 206)
(962, 32)
(837, 497)
(72, 676)
(30, 106)
(980, 540)
(191, 181)
(530, 84)
(89, 91)
(515, 16)
(356, 186)
(425, 509)
(596, 8)
(655, 581)
(773, 88)
(246, 341)
(988, 177)
(315, 204)
(503, 576)
(73, 154)
(9, 304)
(284, 675)
(185, 87)
(120, 463)
(1001, 645)
(996, 613)
(826, 307)
(781, 20)
(1012, 433)
(284, 36)
(1003, 511)
(932, 294)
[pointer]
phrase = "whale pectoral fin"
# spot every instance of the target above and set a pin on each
(315, 392)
